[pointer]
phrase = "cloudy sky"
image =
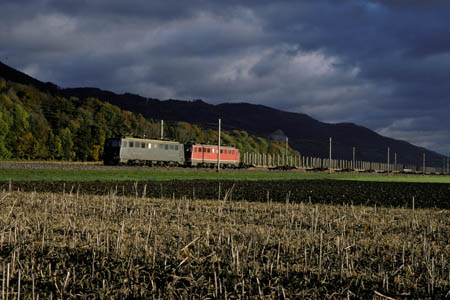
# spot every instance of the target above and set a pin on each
(381, 64)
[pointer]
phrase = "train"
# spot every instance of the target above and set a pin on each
(153, 152)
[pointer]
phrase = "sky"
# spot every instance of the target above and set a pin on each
(381, 64)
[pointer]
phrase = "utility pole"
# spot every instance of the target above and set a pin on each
(395, 161)
(445, 171)
(353, 161)
(162, 129)
(286, 152)
(423, 164)
(443, 164)
(218, 151)
(448, 164)
(388, 166)
(329, 159)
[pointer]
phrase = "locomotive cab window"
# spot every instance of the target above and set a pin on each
(124, 144)
(115, 143)
(166, 147)
(209, 150)
(131, 144)
(176, 147)
(143, 145)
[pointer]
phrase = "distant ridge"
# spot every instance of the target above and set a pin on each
(307, 135)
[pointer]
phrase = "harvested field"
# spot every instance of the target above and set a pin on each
(69, 245)
(396, 194)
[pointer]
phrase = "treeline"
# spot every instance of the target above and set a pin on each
(41, 126)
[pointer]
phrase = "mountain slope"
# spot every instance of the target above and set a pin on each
(307, 135)
(12, 74)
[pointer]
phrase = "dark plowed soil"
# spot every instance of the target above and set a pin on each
(425, 195)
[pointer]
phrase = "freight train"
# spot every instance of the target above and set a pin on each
(151, 152)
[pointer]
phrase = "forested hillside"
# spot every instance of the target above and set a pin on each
(47, 126)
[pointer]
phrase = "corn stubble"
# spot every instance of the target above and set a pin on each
(62, 246)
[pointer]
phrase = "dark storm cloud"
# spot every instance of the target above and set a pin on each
(382, 64)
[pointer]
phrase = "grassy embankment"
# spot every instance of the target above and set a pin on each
(163, 175)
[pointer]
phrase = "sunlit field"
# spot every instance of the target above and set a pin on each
(145, 174)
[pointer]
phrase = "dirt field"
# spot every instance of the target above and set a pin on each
(425, 195)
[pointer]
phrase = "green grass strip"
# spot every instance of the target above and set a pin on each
(163, 175)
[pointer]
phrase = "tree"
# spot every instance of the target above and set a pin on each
(41, 130)
(2, 85)
(98, 138)
(83, 142)
(66, 144)
(18, 139)
(26, 146)
(54, 144)
(4, 129)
